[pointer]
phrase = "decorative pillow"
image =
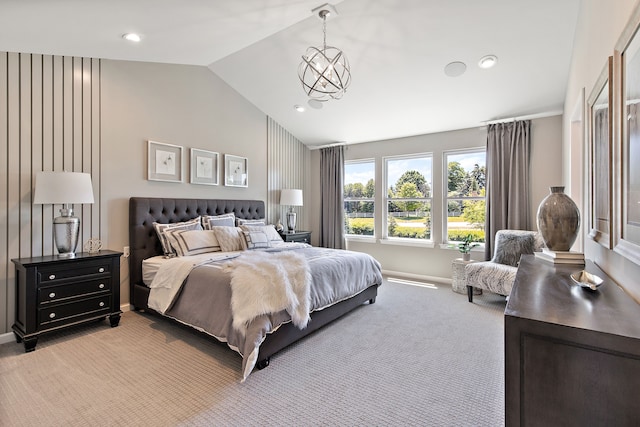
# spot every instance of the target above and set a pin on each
(193, 242)
(257, 239)
(230, 238)
(193, 224)
(511, 244)
(240, 221)
(225, 220)
(269, 230)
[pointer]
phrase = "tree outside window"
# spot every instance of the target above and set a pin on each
(466, 189)
(359, 194)
(408, 197)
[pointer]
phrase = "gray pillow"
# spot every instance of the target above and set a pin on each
(511, 244)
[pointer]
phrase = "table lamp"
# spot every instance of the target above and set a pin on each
(291, 197)
(65, 188)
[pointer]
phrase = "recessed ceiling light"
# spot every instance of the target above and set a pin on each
(488, 61)
(455, 69)
(132, 37)
(299, 108)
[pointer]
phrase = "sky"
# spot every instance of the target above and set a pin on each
(363, 172)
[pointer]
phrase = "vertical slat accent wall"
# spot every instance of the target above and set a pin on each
(49, 120)
(289, 161)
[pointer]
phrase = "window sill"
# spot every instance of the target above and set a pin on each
(360, 239)
(407, 242)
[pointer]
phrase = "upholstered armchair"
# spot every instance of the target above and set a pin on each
(499, 274)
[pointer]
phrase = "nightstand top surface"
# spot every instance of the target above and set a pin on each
(56, 258)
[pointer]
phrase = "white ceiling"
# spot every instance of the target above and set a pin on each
(397, 49)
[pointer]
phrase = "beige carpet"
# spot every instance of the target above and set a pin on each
(418, 356)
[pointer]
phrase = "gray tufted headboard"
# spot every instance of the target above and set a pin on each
(144, 211)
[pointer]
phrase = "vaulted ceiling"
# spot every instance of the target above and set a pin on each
(398, 50)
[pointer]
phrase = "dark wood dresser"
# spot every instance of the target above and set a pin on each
(54, 292)
(572, 355)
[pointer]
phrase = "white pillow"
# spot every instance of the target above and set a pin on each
(193, 242)
(225, 220)
(230, 238)
(257, 239)
(240, 221)
(193, 224)
(269, 230)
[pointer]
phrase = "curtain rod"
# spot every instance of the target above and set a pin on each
(526, 117)
(335, 144)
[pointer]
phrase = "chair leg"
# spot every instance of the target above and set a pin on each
(470, 293)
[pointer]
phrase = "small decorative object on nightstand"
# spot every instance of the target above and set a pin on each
(54, 292)
(459, 278)
(298, 236)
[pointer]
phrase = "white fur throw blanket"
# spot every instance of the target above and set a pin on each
(263, 283)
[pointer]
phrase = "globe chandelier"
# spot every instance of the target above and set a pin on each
(324, 71)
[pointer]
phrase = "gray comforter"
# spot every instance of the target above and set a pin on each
(204, 302)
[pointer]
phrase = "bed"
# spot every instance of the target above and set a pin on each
(278, 330)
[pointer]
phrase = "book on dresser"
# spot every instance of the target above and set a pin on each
(560, 257)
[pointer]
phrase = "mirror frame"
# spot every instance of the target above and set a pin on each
(627, 237)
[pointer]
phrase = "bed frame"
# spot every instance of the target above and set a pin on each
(144, 243)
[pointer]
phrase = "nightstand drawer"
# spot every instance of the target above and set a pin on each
(298, 237)
(61, 272)
(51, 294)
(54, 315)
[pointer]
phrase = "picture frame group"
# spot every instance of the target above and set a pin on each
(165, 162)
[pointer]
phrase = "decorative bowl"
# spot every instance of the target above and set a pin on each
(586, 280)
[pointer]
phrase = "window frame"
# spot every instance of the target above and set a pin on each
(445, 192)
(408, 241)
(367, 199)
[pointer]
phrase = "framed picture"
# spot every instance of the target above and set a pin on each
(600, 156)
(204, 167)
(627, 56)
(164, 162)
(236, 171)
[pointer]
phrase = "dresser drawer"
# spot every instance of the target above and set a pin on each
(52, 294)
(59, 314)
(53, 273)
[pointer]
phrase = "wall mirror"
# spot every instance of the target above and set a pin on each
(628, 56)
(600, 134)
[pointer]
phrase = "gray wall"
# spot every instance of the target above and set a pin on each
(96, 116)
(435, 263)
(182, 105)
(599, 26)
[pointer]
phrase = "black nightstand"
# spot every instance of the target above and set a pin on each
(296, 236)
(54, 293)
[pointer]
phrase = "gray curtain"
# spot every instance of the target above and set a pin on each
(331, 189)
(508, 204)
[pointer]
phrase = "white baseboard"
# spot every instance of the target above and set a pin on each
(8, 337)
(422, 277)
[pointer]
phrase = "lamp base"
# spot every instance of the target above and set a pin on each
(291, 221)
(66, 229)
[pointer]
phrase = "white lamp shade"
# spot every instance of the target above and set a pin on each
(63, 188)
(291, 197)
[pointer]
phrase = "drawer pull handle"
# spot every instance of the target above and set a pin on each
(101, 303)
(101, 270)
(51, 277)
(52, 315)
(52, 295)
(101, 285)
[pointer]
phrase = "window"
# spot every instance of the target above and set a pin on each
(465, 201)
(359, 193)
(408, 197)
